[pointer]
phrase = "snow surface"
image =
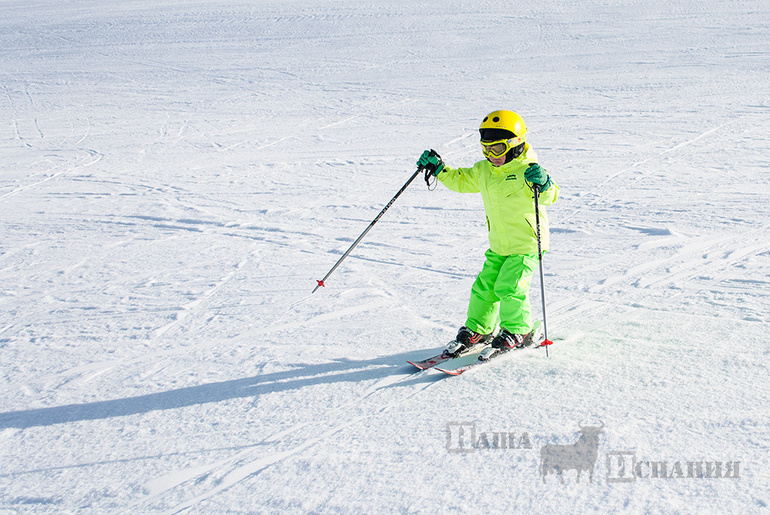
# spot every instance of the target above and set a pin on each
(174, 177)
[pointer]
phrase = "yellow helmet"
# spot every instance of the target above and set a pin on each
(502, 132)
(504, 120)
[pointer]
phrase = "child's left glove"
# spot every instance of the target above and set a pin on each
(536, 174)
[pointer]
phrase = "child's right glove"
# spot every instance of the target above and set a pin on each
(536, 174)
(431, 161)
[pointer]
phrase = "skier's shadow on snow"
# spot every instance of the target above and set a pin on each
(302, 376)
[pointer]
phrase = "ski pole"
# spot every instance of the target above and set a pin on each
(546, 342)
(322, 281)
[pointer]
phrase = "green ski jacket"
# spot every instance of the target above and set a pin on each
(508, 201)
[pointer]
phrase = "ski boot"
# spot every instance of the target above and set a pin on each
(504, 342)
(465, 340)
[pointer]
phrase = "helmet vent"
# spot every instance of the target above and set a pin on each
(496, 119)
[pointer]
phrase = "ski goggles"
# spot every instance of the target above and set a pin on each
(500, 147)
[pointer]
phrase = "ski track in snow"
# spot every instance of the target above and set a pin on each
(175, 179)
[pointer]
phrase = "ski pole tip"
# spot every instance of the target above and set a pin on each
(320, 285)
(546, 343)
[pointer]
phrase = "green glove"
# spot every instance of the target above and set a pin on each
(431, 161)
(536, 174)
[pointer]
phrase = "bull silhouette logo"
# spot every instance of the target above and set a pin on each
(579, 456)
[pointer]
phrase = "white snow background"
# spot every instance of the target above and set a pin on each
(174, 177)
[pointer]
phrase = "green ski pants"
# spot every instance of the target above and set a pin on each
(500, 294)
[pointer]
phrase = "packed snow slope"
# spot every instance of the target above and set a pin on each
(174, 177)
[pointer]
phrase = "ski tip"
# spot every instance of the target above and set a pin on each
(451, 372)
(415, 365)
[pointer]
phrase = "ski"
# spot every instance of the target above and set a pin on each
(534, 340)
(441, 358)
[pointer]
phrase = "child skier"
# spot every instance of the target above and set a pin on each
(505, 179)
